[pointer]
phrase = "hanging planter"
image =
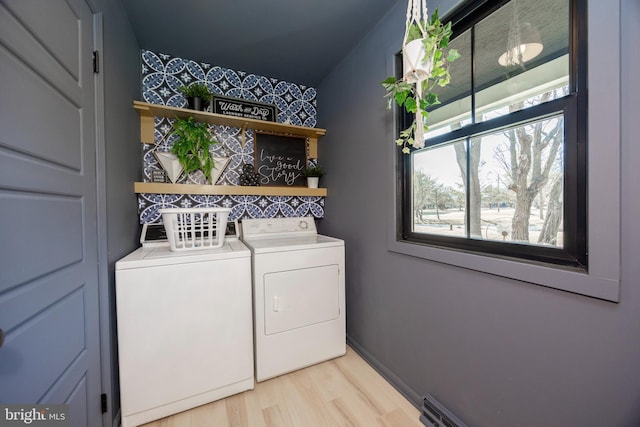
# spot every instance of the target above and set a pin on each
(426, 60)
(417, 63)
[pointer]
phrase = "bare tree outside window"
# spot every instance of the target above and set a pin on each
(513, 174)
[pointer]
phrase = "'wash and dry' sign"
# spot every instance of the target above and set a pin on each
(243, 108)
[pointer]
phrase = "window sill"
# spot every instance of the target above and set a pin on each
(557, 278)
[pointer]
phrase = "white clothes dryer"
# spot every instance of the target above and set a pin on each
(298, 294)
(185, 330)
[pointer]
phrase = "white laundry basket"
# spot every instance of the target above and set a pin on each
(195, 228)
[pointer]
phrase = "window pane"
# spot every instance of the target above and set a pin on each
(454, 109)
(519, 194)
(504, 180)
(521, 52)
(438, 190)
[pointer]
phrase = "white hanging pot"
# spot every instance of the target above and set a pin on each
(417, 65)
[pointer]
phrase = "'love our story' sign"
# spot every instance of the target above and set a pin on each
(280, 159)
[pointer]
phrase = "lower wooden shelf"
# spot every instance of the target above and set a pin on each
(161, 188)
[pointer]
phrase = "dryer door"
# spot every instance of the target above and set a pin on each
(302, 297)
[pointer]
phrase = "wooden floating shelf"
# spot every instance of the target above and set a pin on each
(155, 110)
(161, 188)
(148, 111)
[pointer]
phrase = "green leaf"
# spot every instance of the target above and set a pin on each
(431, 99)
(389, 81)
(429, 44)
(414, 33)
(434, 18)
(410, 105)
(400, 97)
(444, 41)
(406, 150)
(453, 55)
(437, 72)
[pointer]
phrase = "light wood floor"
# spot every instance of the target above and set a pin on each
(341, 392)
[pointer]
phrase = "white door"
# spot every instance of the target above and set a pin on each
(48, 260)
(297, 298)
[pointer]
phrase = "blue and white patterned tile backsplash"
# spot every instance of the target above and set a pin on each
(241, 206)
(162, 75)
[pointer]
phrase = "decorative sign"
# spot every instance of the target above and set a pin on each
(242, 108)
(280, 160)
(158, 176)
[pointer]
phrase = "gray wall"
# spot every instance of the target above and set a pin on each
(497, 352)
(119, 166)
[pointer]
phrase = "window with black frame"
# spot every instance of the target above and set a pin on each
(503, 171)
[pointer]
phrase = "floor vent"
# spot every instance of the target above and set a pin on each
(434, 414)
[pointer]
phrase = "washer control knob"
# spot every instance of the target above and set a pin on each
(303, 224)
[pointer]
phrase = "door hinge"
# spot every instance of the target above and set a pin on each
(96, 62)
(103, 402)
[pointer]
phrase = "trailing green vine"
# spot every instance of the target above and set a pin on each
(404, 93)
(192, 146)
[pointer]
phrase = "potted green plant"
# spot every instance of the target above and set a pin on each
(198, 96)
(313, 174)
(426, 60)
(192, 146)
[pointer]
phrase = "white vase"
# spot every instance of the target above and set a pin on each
(416, 67)
(312, 181)
(220, 165)
(170, 164)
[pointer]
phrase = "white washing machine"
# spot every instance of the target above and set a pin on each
(185, 331)
(298, 294)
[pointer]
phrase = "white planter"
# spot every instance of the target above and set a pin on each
(170, 164)
(198, 177)
(220, 165)
(312, 181)
(415, 67)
